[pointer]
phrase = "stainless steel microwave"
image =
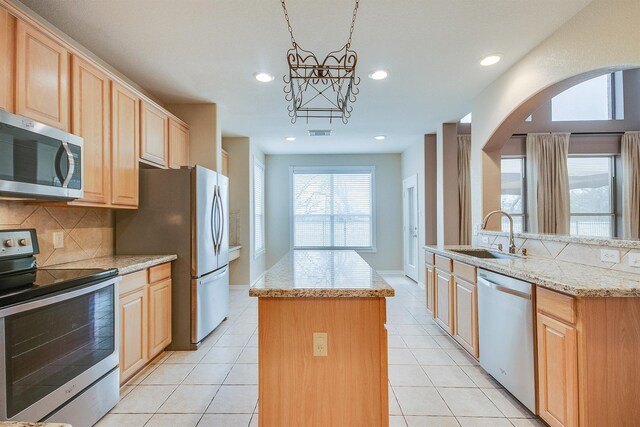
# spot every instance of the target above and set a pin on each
(39, 161)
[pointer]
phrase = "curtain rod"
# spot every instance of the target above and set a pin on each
(576, 133)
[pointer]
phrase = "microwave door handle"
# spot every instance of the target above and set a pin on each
(72, 164)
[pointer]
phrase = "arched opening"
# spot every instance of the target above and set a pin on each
(595, 171)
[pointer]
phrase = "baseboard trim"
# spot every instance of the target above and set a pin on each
(391, 272)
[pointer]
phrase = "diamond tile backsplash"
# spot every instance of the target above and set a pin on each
(88, 232)
(581, 253)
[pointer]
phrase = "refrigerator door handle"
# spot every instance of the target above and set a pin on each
(221, 222)
(214, 233)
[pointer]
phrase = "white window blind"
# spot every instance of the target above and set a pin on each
(333, 207)
(258, 207)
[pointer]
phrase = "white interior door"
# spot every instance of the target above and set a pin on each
(410, 226)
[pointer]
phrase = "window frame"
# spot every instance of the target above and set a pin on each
(525, 195)
(615, 99)
(333, 170)
(258, 166)
(613, 214)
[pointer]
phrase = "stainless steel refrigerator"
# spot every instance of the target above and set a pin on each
(184, 212)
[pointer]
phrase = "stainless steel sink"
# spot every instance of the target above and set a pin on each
(483, 253)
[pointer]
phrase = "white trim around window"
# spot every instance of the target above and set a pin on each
(355, 219)
(258, 213)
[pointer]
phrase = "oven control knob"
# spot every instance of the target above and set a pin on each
(24, 242)
(10, 243)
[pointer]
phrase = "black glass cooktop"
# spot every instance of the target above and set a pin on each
(32, 284)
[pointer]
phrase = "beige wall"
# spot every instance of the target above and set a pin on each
(447, 185)
(88, 232)
(258, 262)
(413, 163)
(205, 135)
(388, 194)
(242, 152)
(603, 35)
(239, 216)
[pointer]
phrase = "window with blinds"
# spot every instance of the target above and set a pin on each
(258, 207)
(333, 207)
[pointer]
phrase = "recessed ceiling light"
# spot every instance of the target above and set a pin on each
(378, 75)
(380, 137)
(290, 138)
(490, 59)
(263, 77)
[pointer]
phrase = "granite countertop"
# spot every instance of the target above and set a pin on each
(321, 273)
(125, 264)
(571, 278)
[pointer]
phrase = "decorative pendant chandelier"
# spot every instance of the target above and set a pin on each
(321, 90)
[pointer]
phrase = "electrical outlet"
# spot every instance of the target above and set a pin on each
(634, 259)
(320, 344)
(58, 239)
(609, 255)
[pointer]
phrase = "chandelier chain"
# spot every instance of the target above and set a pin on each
(286, 17)
(293, 40)
(353, 22)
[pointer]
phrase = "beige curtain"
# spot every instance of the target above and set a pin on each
(464, 188)
(631, 185)
(548, 183)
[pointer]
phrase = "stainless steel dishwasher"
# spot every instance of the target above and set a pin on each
(505, 323)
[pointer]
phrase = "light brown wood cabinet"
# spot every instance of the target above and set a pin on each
(430, 285)
(125, 121)
(46, 78)
(178, 144)
(42, 77)
(91, 119)
(466, 315)
(430, 274)
(465, 302)
(145, 317)
(7, 60)
(444, 300)
(587, 359)
(444, 293)
(159, 316)
(133, 332)
(154, 138)
(557, 372)
(289, 371)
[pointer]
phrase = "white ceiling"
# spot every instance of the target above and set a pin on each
(208, 50)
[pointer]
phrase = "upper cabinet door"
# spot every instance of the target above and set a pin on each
(154, 142)
(42, 88)
(7, 59)
(91, 109)
(179, 144)
(125, 120)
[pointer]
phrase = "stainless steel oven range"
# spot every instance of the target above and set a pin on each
(58, 338)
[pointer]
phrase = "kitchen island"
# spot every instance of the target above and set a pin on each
(322, 352)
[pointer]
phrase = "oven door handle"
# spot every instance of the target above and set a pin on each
(31, 305)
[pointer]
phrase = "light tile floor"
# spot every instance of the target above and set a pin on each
(432, 381)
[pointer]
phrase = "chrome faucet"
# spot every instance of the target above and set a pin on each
(512, 242)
